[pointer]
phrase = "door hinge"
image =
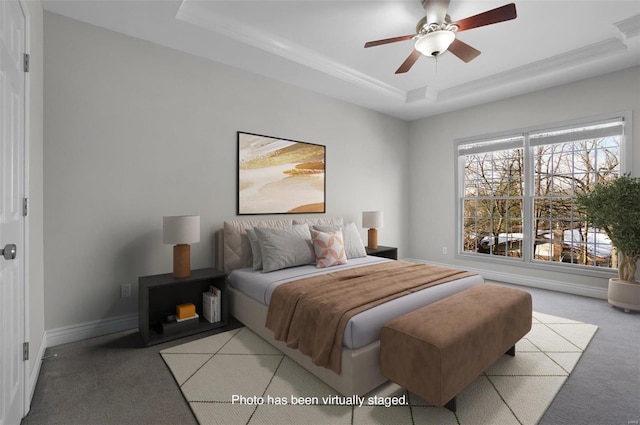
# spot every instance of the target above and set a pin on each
(26, 62)
(25, 351)
(25, 206)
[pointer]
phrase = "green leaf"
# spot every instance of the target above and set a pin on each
(615, 208)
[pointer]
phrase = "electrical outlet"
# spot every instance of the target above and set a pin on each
(125, 290)
(444, 250)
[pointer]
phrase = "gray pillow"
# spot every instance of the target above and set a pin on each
(255, 248)
(287, 247)
(353, 245)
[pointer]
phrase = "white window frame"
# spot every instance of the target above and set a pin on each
(626, 162)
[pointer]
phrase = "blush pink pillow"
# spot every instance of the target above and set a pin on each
(329, 248)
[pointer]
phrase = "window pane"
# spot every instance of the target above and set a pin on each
(561, 208)
(492, 204)
(470, 189)
(562, 184)
(516, 186)
(484, 188)
(561, 171)
(484, 208)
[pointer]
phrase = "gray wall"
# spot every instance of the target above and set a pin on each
(134, 131)
(432, 164)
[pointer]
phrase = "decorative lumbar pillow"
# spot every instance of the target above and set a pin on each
(329, 248)
(353, 245)
(286, 247)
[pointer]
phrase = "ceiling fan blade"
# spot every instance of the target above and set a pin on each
(436, 10)
(388, 40)
(499, 14)
(408, 63)
(463, 51)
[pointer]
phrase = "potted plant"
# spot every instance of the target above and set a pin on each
(615, 208)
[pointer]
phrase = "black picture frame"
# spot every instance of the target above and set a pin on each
(279, 176)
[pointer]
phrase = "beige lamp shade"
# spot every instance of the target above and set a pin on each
(180, 231)
(372, 220)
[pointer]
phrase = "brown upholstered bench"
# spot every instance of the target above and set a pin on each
(438, 350)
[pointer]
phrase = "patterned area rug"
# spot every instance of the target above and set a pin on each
(238, 378)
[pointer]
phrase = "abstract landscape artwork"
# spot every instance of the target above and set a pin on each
(279, 176)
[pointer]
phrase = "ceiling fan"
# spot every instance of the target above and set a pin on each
(435, 33)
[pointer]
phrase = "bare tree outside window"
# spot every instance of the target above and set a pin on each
(561, 233)
(494, 188)
(545, 171)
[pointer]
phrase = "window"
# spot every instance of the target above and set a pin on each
(493, 197)
(517, 193)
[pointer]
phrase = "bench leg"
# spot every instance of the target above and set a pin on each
(451, 405)
(511, 351)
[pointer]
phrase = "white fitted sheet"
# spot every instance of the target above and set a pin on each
(363, 328)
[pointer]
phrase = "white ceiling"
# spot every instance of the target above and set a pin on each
(318, 44)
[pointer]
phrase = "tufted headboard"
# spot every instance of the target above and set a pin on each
(234, 243)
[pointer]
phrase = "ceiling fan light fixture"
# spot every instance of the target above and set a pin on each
(435, 43)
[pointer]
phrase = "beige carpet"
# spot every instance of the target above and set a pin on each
(215, 371)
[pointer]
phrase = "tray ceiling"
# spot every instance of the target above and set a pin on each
(318, 44)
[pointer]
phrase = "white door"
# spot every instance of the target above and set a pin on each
(12, 222)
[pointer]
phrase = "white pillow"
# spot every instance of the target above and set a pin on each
(353, 245)
(329, 248)
(320, 221)
(286, 247)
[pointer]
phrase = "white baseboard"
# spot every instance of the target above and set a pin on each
(33, 377)
(73, 333)
(534, 282)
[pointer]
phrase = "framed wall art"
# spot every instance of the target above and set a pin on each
(280, 176)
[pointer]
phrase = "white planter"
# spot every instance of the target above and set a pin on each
(625, 295)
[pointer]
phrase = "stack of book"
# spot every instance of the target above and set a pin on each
(211, 305)
(195, 316)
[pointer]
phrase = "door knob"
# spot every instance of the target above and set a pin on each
(9, 251)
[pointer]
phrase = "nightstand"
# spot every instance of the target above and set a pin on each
(158, 296)
(384, 251)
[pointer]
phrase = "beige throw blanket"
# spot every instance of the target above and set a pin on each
(311, 314)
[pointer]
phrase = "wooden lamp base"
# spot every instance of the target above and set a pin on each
(182, 260)
(373, 239)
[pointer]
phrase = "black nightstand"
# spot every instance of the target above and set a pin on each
(158, 296)
(384, 252)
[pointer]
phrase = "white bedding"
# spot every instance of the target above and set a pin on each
(363, 328)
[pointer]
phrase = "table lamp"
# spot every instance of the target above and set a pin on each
(180, 231)
(373, 221)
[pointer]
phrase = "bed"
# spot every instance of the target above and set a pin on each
(250, 292)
